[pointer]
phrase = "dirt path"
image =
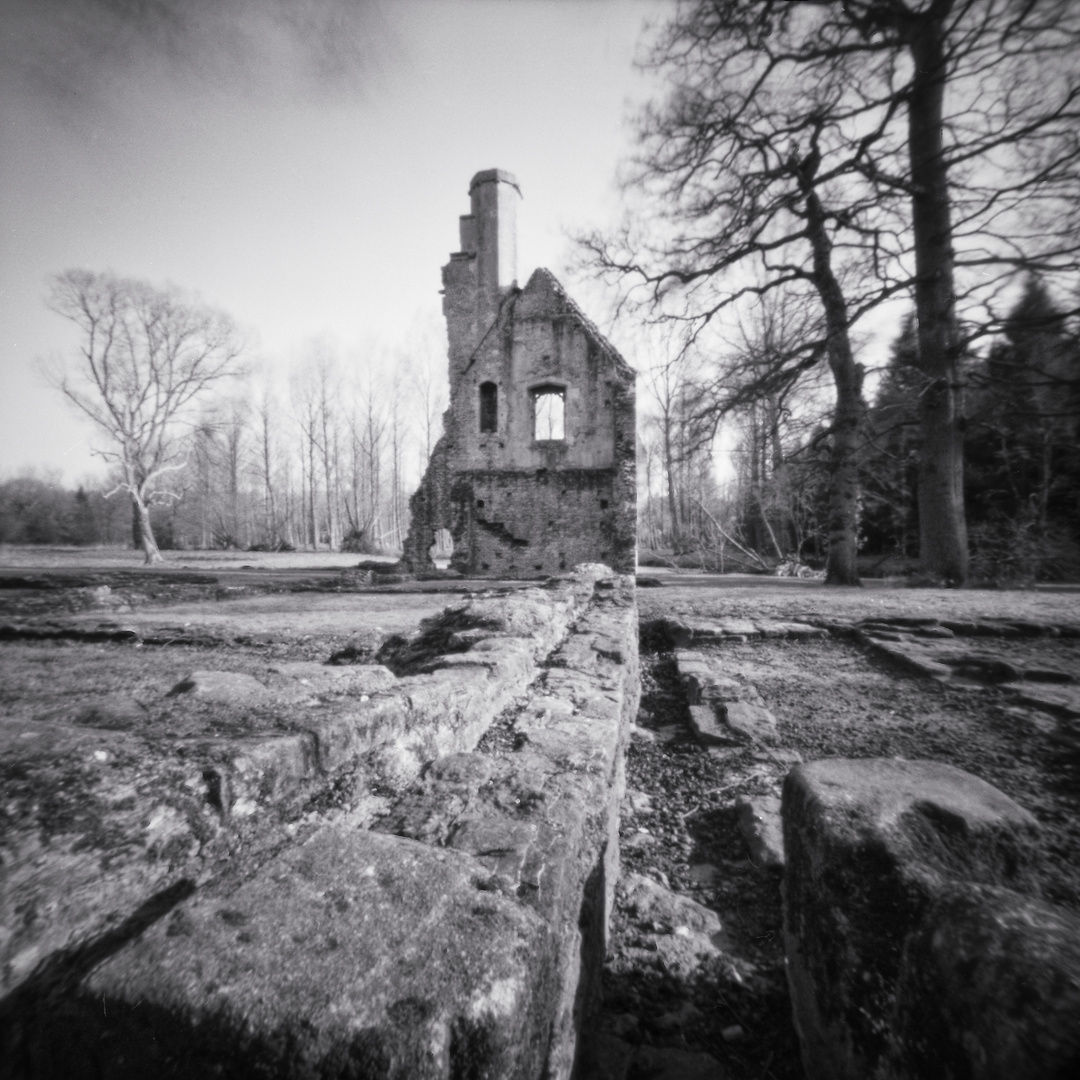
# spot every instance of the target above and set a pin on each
(831, 698)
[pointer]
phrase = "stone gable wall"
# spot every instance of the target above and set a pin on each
(542, 514)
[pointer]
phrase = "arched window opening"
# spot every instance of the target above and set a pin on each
(442, 549)
(549, 407)
(489, 407)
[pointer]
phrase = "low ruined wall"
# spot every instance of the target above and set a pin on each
(915, 946)
(448, 919)
(527, 523)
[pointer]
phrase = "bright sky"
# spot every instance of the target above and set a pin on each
(300, 164)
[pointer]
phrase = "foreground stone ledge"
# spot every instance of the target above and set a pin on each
(543, 818)
(149, 812)
(465, 937)
(870, 847)
(354, 954)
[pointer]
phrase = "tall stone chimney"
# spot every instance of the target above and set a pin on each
(495, 194)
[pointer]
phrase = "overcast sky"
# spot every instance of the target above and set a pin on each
(300, 164)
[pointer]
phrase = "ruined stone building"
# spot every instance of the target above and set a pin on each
(535, 470)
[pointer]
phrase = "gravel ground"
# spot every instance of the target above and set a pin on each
(699, 852)
(679, 824)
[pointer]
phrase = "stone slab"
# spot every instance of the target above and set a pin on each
(353, 954)
(760, 825)
(869, 845)
(749, 722)
(723, 711)
(708, 728)
(224, 687)
(906, 653)
(351, 678)
(990, 988)
(1063, 701)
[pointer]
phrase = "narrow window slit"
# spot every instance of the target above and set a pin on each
(489, 407)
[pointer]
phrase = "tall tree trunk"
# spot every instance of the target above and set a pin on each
(233, 461)
(943, 547)
(314, 521)
(136, 526)
(1046, 477)
(672, 483)
(270, 527)
(841, 566)
(754, 502)
(141, 513)
(329, 460)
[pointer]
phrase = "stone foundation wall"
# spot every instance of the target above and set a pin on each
(525, 524)
(450, 920)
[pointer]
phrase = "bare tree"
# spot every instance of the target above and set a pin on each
(868, 147)
(266, 413)
(304, 394)
(667, 388)
(427, 384)
(328, 441)
(146, 358)
(757, 190)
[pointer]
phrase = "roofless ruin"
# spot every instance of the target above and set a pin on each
(535, 471)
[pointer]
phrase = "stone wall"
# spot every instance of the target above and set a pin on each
(449, 919)
(916, 946)
(518, 499)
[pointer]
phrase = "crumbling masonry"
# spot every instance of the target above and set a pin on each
(535, 471)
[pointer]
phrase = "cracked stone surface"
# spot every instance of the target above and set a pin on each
(481, 761)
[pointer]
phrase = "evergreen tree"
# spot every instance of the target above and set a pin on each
(1023, 487)
(890, 522)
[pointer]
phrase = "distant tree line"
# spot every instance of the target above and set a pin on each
(328, 466)
(204, 454)
(1021, 447)
(40, 510)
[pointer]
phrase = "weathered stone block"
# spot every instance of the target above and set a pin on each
(869, 846)
(759, 822)
(750, 722)
(227, 687)
(265, 770)
(708, 728)
(350, 678)
(723, 711)
(651, 902)
(989, 988)
(905, 653)
(687, 933)
(703, 680)
(355, 954)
